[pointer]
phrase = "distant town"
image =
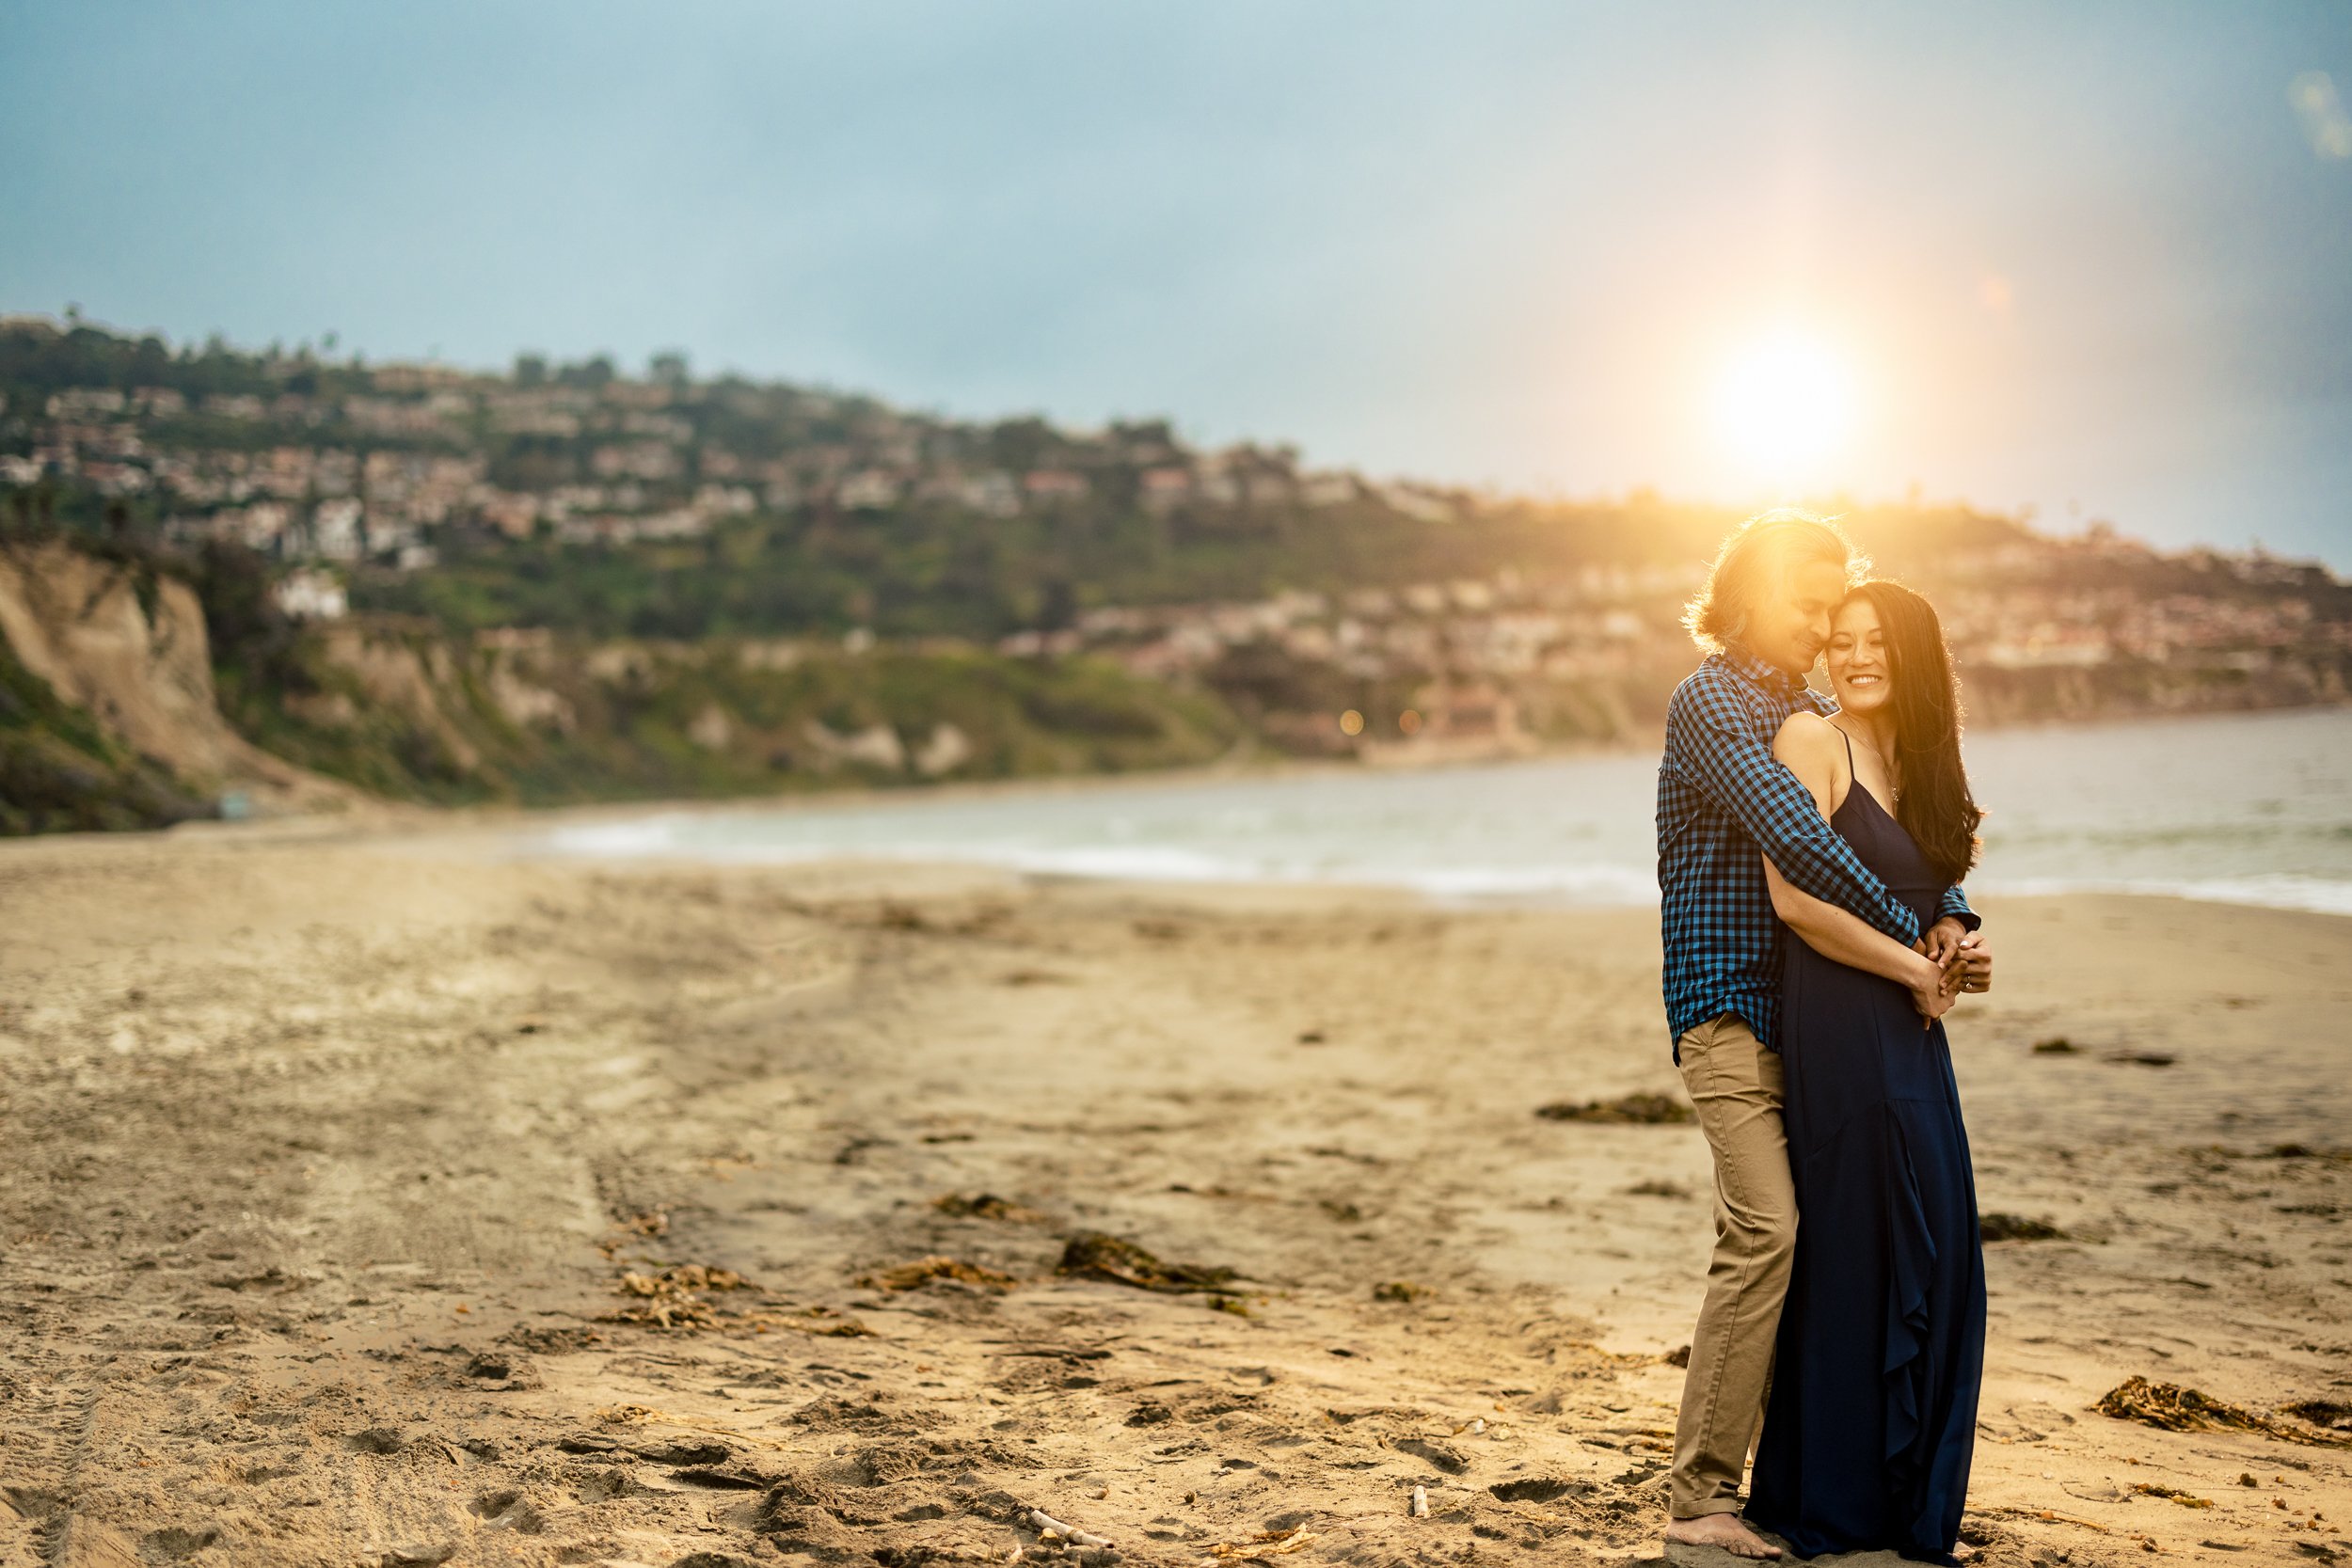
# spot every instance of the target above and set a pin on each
(1336, 611)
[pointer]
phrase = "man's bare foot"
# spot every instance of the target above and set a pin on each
(1723, 1531)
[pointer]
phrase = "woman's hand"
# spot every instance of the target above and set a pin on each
(1933, 1002)
(1964, 956)
(1933, 990)
(1972, 962)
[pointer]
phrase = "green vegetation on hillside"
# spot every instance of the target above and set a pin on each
(61, 772)
(407, 713)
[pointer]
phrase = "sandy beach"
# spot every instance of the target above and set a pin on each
(374, 1197)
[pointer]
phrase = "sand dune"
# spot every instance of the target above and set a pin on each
(378, 1200)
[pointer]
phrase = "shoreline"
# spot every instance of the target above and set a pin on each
(1012, 828)
(457, 834)
(1257, 765)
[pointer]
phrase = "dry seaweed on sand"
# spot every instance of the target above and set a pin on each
(1098, 1255)
(674, 1298)
(687, 1312)
(909, 1277)
(821, 1320)
(1642, 1108)
(649, 1225)
(2016, 1227)
(847, 1328)
(1265, 1543)
(2171, 1494)
(983, 1206)
(683, 1276)
(2332, 1413)
(2177, 1409)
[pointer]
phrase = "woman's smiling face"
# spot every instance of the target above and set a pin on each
(1856, 656)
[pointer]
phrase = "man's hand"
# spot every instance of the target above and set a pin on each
(1942, 941)
(1964, 955)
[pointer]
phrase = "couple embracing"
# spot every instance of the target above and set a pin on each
(1810, 852)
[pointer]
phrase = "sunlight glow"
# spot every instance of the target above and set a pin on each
(1786, 403)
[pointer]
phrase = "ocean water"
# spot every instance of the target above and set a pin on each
(2243, 808)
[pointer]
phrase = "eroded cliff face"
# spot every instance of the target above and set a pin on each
(126, 649)
(110, 717)
(529, 715)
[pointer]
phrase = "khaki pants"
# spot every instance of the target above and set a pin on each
(1736, 1084)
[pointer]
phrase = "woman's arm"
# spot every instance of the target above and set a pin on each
(1808, 747)
(1844, 938)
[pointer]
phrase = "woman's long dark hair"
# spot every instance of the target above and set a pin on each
(1936, 808)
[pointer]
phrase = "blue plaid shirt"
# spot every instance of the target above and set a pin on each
(1724, 803)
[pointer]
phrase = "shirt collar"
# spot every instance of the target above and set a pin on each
(1770, 676)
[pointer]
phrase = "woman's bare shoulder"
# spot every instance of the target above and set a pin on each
(1804, 736)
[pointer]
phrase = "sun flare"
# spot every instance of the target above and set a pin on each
(1786, 403)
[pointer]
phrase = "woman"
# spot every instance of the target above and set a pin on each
(1871, 1418)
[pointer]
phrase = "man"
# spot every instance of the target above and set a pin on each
(1724, 803)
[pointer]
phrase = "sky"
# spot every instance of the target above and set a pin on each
(2093, 258)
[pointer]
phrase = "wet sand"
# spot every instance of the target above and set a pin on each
(377, 1199)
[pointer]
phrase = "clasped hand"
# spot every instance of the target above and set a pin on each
(1964, 962)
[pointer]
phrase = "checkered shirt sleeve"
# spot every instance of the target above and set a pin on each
(1711, 736)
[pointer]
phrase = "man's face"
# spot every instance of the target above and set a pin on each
(1786, 627)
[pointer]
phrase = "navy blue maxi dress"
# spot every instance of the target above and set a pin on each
(1871, 1419)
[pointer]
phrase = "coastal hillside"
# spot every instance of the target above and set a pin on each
(275, 580)
(538, 716)
(108, 713)
(139, 689)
